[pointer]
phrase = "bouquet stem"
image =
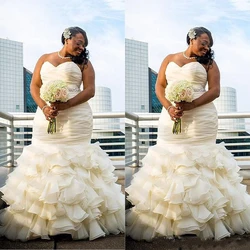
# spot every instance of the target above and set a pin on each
(177, 126)
(52, 126)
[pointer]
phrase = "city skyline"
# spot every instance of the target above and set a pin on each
(103, 20)
(163, 24)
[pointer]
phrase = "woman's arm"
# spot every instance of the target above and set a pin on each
(36, 83)
(213, 92)
(35, 86)
(161, 84)
(88, 78)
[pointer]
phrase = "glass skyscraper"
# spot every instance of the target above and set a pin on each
(29, 104)
(227, 103)
(136, 76)
(154, 104)
(11, 76)
(231, 130)
(106, 130)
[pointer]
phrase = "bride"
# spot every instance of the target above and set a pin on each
(63, 184)
(188, 184)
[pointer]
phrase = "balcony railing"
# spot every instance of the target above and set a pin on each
(16, 132)
(141, 132)
(124, 136)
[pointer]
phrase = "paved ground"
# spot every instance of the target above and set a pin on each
(64, 242)
(235, 242)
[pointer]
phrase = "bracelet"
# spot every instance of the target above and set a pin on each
(44, 107)
(169, 107)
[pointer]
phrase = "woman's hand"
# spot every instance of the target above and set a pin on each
(50, 112)
(175, 112)
(60, 105)
(185, 106)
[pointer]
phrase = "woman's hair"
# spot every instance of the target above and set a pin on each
(71, 32)
(209, 56)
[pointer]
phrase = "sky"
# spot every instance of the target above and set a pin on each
(39, 25)
(163, 24)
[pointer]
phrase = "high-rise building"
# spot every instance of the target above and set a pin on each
(227, 103)
(136, 76)
(101, 103)
(106, 130)
(29, 104)
(154, 104)
(231, 131)
(11, 76)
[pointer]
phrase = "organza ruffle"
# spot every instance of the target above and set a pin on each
(62, 190)
(187, 190)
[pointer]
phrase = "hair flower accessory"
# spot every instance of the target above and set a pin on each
(66, 33)
(192, 34)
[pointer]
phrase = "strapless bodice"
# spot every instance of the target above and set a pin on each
(68, 72)
(74, 125)
(193, 72)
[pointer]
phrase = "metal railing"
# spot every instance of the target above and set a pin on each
(124, 136)
(16, 133)
(141, 133)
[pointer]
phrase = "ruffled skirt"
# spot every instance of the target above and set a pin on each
(62, 184)
(188, 185)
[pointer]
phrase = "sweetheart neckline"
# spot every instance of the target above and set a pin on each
(61, 64)
(186, 65)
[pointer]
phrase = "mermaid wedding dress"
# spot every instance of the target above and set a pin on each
(62, 184)
(188, 184)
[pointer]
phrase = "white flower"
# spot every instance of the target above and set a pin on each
(180, 91)
(192, 34)
(66, 33)
(54, 91)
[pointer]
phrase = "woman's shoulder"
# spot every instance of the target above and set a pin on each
(48, 56)
(44, 58)
(171, 57)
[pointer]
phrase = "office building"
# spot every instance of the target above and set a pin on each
(29, 104)
(11, 76)
(106, 130)
(136, 76)
(154, 104)
(231, 130)
(227, 103)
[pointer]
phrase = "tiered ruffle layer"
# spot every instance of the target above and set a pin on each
(62, 190)
(188, 190)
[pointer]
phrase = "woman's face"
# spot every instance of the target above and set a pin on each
(201, 45)
(75, 45)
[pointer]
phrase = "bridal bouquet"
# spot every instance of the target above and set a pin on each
(54, 91)
(179, 91)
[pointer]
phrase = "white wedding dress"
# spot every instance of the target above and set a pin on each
(188, 184)
(62, 184)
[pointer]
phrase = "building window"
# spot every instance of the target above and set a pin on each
(142, 107)
(17, 107)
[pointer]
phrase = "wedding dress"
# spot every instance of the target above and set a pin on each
(62, 184)
(188, 184)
